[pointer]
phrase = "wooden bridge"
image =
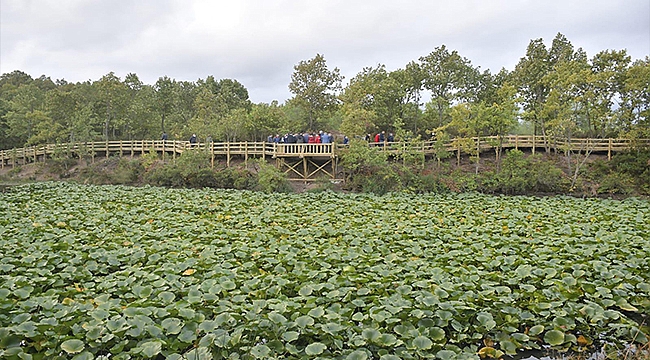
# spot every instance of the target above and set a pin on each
(305, 162)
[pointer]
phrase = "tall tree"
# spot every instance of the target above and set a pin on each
(267, 119)
(206, 118)
(316, 87)
(450, 78)
(364, 109)
(636, 99)
(26, 110)
(529, 74)
(609, 70)
(111, 103)
(165, 99)
(72, 114)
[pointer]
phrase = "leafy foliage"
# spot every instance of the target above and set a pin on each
(120, 272)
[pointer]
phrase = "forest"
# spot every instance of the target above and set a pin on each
(555, 90)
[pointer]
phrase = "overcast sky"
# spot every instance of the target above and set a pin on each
(258, 42)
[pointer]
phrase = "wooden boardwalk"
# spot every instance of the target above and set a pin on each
(304, 161)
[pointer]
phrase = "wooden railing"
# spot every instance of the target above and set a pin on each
(169, 148)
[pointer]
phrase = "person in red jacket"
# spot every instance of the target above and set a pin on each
(377, 138)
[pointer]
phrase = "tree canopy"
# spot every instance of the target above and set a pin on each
(555, 89)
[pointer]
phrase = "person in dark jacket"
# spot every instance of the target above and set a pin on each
(193, 139)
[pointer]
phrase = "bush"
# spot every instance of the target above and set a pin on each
(637, 166)
(459, 181)
(632, 163)
(380, 182)
(616, 183)
(546, 176)
(515, 176)
(234, 178)
(165, 175)
(149, 159)
(419, 183)
(127, 172)
(270, 179)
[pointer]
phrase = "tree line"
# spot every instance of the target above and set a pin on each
(556, 91)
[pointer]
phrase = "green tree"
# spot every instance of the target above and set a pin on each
(232, 127)
(316, 87)
(111, 103)
(609, 73)
(26, 109)
(206, 118)
(165, 98)
(362, 102)
(529, 74)
(450, 78)
(71, 113)
(266, 119)
(636, 100)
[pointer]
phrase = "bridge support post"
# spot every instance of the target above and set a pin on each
(305, 169)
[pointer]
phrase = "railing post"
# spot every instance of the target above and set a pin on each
(228, 154)
(246, 153)
(609, 149)
(533, 144)
(516, 142)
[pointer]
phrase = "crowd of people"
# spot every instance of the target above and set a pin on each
(325, 138)
(380, 137)
(320, 137)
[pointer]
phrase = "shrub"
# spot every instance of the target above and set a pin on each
(635, 165)
(234, 178)
(200, 178)
(149, 159)
(616, 183)
(546, 176)
(459, 181)
(166, 175)
(419, 182)
(127, 172)
(515, 176)
(270, 179)
(361, 159)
